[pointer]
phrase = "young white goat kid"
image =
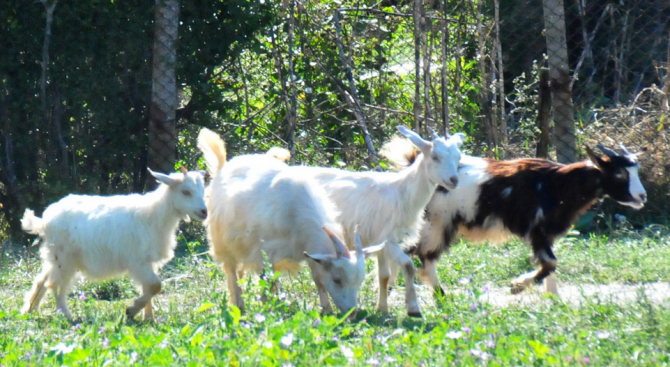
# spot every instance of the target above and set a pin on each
(388, 206)
(105, 236)
(256, 205)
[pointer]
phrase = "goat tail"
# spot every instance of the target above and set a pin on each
(34, 296)
(279, 153)
(400, 152)
(31, 223)
(213, 149)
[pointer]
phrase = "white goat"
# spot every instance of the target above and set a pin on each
(256, 205)
(104, 236)
(388, 206)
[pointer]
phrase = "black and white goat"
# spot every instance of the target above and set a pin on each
(534, 199)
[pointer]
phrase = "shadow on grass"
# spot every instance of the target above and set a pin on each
(405, 322)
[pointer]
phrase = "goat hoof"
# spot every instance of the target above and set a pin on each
(517, 288)
(415, 314)
(130, 314)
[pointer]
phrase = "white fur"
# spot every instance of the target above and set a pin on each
(463, 201)
(388, 206)
(256, 204)
(103, 237)
(635, 188)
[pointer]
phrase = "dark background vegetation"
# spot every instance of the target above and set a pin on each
(270, 73)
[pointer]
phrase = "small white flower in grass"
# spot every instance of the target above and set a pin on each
(347, 352)
(602, 334)
(373, 361)
(62, 348)
(259, 317)
(464, 281)
(454, 334)
(479, 354)
(105, 343)
(288, 364)
(287, 340)
(102, 330)
(267, 344)
(389, 359)
(133, 357)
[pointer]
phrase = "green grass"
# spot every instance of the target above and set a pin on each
(194, 325)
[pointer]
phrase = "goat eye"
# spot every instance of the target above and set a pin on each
(186, 192)
(436, 158)
(337, 282)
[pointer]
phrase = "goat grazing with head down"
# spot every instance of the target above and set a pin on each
(388, 206)
(534, 199)
(105, 236)
(257, 205)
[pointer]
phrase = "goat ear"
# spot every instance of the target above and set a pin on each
(367, 251)
(162, 178)
(608, 152)
(433, 134)
(594, 158)
(458, 138)
(322, 259)
(417, 140)
(183, 170)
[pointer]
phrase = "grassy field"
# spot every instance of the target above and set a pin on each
(195, 327)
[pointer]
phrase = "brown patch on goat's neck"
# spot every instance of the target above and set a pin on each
(411, 156)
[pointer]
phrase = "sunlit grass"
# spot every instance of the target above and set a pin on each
(194, 325)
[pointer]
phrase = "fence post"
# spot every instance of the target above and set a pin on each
(162, 132)
(561, 99)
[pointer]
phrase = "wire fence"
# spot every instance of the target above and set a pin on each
(521, 79)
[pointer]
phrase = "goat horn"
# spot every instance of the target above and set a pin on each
(432, 132)
(359, 245)
(340, 248)
(183, 170)
(608, 152)
(623, 149)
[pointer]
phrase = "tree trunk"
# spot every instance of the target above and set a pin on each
(443, 71)
(352, 98)
(485, 96)
(501, 76)
(49, 15)
(427, 115)
(559, 74)
(418, 5)
(293, 108)
(11, 204)
(162, 133)
(543, 115)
